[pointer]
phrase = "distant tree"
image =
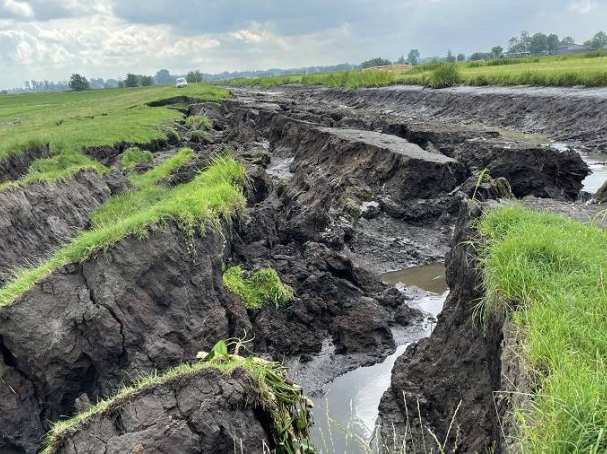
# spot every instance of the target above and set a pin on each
(132, 80)
(78, 82)
(450, 57)
(598, 41)
(375, 62)
(518, 44)
(146, 81)
(552, 43)
(194, 77)
(401, 60)
(111, 83)
(461, 57)
(163, 77)
(497, 52)
(567, 41)
(413, 57)
(121, 84)
(538, 43)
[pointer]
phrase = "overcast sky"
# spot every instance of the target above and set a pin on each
(50, 39)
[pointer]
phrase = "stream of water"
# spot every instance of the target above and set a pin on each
(344, 415)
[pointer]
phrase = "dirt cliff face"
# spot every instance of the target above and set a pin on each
(36, 219)
(87, 328)
(16, 165)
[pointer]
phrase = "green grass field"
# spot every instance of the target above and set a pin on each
(588, 70)
(549, 273)
(72, 121)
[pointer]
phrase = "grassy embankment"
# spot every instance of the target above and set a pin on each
(549, 273)
(70, 122)
(283, 400)
(213, 196)
(589, 70)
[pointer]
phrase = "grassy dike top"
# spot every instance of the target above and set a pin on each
(550, 274)
(72, 121)
(589, 70)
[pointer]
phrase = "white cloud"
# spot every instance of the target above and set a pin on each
(14, 8)
(583, 6)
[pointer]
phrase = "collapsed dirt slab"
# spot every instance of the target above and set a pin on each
(87, 328)
(38, 218)
(575, 115)
(209, 412)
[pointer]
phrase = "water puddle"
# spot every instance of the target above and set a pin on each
(598, 165)
(279, 168)
(344, 415)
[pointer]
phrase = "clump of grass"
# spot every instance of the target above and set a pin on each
(258, 288)
(215, 195)
(199, 136)
(133, 156)
(198, 122)
(548, 273)
(445, 76)
(146, 193)
(281, 398)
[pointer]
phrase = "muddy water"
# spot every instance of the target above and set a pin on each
(344, 415)
(598, 165)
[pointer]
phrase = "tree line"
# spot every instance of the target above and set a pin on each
(525, 43)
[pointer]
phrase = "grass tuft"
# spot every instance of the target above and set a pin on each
(215, 195)
(133, 156)
(550, 272)
(445, 76)
(199, 122)
(258, 288)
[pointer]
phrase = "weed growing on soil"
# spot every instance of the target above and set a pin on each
(71, 122)
(445, 76)
(198, 122)
(134, 156)
(282, 399)
(215, 195)
(548, 271)
(258, 288)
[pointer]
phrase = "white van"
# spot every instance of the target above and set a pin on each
(181, 82)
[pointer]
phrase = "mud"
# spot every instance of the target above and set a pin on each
(337, 196)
